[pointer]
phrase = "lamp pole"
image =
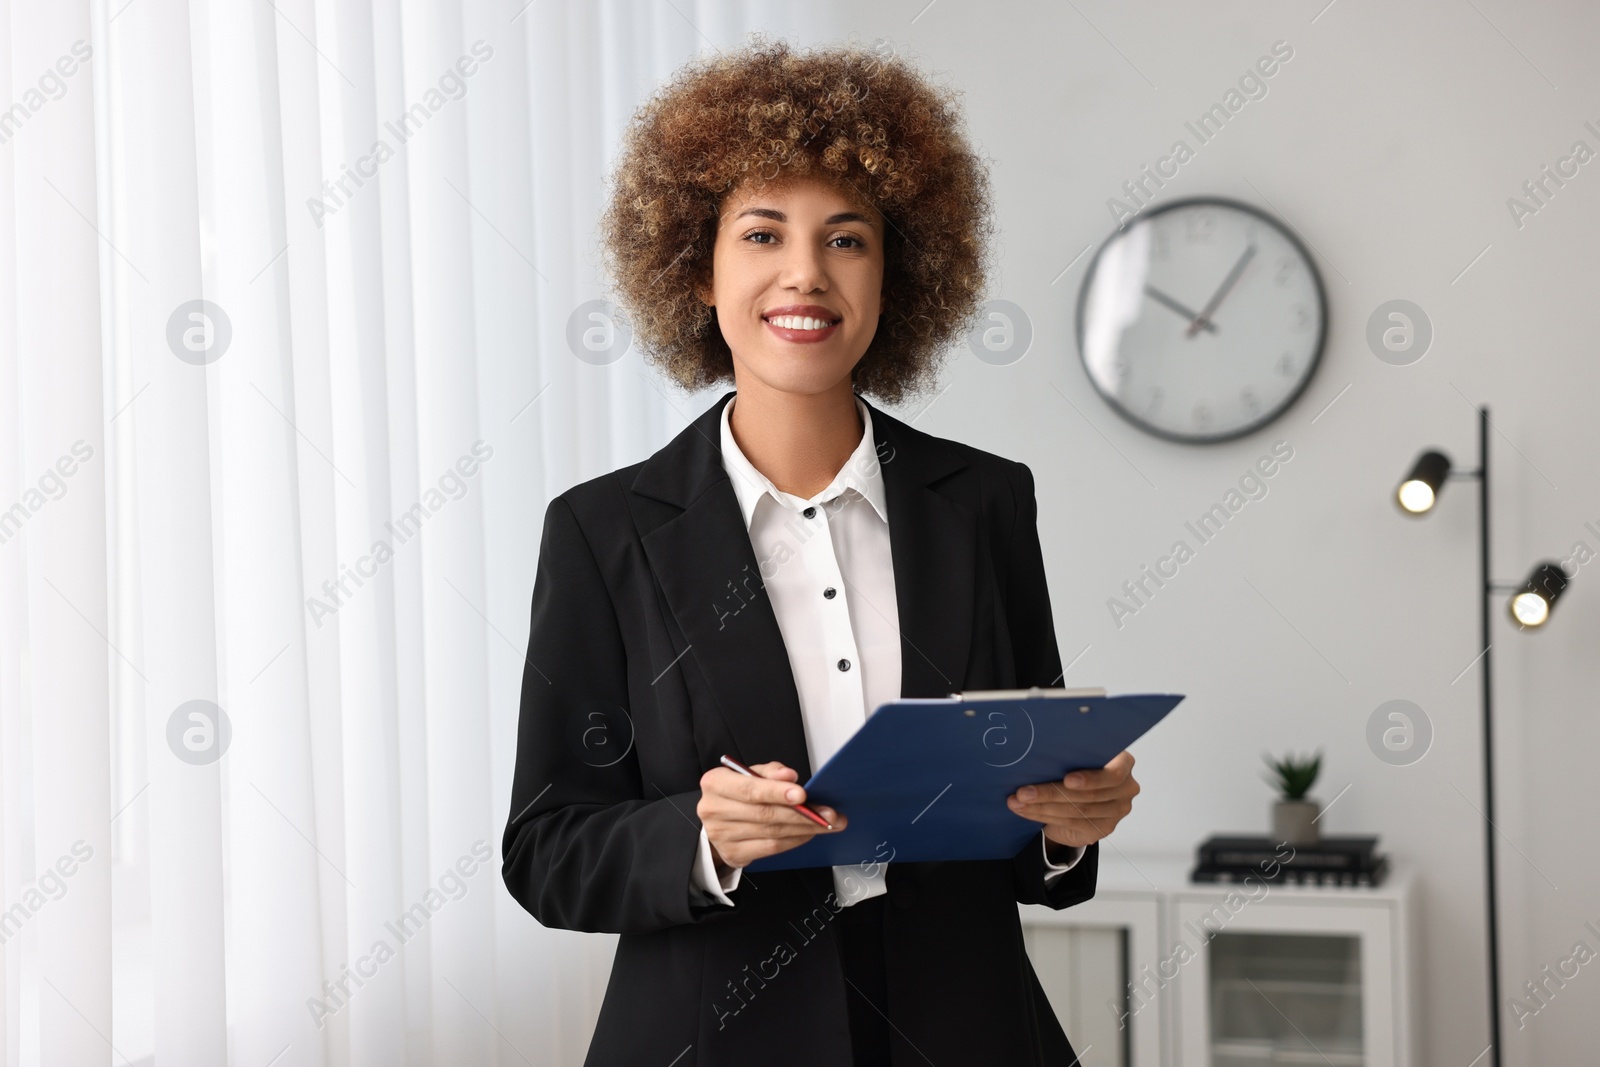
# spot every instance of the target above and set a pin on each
(1487, 590)
(1530, 606)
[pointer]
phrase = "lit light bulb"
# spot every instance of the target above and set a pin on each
(1530, 609)
(1416, 496)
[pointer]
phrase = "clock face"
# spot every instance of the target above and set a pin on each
(1201, 320)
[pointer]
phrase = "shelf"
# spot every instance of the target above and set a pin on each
(1290, 987)
(1250, 1053)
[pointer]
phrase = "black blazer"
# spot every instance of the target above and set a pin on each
(654, 650)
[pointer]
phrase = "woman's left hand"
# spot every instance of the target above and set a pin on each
(1084, 806)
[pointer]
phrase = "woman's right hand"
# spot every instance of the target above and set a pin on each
(748, 818)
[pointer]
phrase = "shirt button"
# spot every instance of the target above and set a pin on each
(809, 512)
(844, 665)
(830, 592)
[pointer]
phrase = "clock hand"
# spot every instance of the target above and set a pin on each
(1204, 318)
(1166, 301)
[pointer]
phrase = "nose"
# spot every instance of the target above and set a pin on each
(804, 268)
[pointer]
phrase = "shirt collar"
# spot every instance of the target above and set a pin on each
(860, 472)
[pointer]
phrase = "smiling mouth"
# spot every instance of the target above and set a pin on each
(800, 322)
(801, 329)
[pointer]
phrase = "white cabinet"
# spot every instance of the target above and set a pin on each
(1157, 972)
(1085, 957)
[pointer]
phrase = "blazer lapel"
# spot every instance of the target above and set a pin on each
(712, 581)
(933, 540)
(709, 574)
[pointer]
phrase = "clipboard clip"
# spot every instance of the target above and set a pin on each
(1024, 694)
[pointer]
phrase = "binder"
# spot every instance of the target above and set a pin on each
(927, 779)
(1333, 860)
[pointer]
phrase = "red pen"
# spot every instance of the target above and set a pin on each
(733, 764)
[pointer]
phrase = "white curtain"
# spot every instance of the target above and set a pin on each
(285, 387)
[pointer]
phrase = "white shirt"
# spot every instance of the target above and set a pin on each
(830, 578)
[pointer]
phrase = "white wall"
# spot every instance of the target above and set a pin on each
(1392, 141)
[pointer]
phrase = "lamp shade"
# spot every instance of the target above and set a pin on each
(1420, 488)
(1531, 605)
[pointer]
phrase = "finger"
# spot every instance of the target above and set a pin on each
(775, 786)
(1118, 766)
(732, 784)
(777, 770)
(733, 838)
(1109, 809)
(791, 823)
(733, 807)
(1056, 791)
(728, 810)
(778, 819)
(1121, 766)
(744, 830)
(1089, 782)
(1085, 783)
(1055, 794)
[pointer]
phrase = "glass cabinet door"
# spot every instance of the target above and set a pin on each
(1285, 999)
(1287, 980)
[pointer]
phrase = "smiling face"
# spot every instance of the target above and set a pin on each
(797, 281)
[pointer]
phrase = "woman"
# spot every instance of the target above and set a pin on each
(812, 227)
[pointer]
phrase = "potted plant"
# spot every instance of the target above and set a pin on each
(1294, 814)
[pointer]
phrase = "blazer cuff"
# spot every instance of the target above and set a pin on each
(1036, 883)
(704, 875)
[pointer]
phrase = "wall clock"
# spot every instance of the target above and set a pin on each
(1201, 320)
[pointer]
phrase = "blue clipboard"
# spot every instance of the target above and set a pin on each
(927, 779)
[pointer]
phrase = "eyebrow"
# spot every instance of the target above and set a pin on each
(777, 216)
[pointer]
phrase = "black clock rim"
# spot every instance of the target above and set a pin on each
(1316, 355)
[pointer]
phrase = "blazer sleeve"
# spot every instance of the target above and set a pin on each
(589, 845)
(1038, 662)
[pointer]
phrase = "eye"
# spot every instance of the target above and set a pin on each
(854, 242)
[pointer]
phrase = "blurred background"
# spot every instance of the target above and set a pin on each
(302, 326)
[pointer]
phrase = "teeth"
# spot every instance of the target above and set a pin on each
(798, 322)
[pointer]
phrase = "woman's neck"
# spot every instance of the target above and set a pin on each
(798, 440)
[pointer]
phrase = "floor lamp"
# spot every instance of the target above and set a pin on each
(1529, 606)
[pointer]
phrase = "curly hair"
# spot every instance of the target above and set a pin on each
(861, 119)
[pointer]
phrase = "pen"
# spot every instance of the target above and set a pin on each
(733, 764)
